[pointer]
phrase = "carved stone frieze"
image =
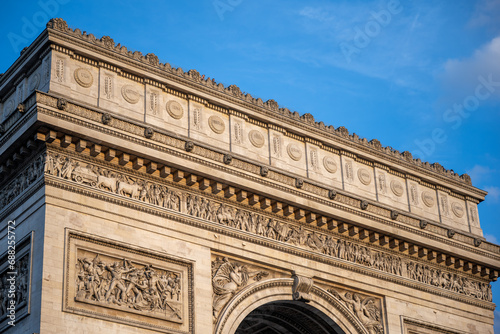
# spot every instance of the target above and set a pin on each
(15, 279)
(366, 308)
(231, 216)
(269, 107)
(228, 277)
(127, 284)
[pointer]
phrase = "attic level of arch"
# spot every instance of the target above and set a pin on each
(192, 79)
(285, 211)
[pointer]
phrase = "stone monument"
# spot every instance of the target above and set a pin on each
(145, 199)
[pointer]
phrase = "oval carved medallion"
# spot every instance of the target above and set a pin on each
(427, 199)
(397, 188)
(458, 210)
(130, 94)
(175, 109)
(294, 152)
(34, 82)
(256, 138)
(83, 77)
(330, 164)
(216, 124)
(364, 176)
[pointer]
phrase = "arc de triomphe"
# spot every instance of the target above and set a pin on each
(142, 198)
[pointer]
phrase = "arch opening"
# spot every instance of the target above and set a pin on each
(287, 317)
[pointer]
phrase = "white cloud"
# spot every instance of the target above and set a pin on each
(493, 194)
(493, 239)
(462, 76)
(486, 13)
(479, 173)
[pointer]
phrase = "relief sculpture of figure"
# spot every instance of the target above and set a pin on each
(227, 279)
(364, 309)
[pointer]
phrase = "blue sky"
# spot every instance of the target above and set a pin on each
(420, 76)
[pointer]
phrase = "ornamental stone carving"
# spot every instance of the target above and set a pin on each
(128, 285)
(364, 176)
(294, 152)
(216, 124)
(397, 188)
(313, 157)
(330, 164)
(349, 174)
(457, 209)
(260, 225)
(428, 199)
(413, 194)
(367, 309)
(153, 103)
(130, 94)
(382, 186)
(197, 118)
(276, 147)
(228, 277)
(108, 86)
(59, 70)
(83, 77)
(301, 287)
(256, 138)
(34, 82)
(174, 109)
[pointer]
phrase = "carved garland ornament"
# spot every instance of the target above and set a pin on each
(83, 77)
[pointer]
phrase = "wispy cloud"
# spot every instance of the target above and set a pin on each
(461, 75)
(480, 173)
(493, 194)
(486, 13)
(491, 238)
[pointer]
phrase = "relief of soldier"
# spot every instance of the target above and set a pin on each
(122, 283)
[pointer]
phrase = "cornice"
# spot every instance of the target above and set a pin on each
(247, 169)
(232, 93)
